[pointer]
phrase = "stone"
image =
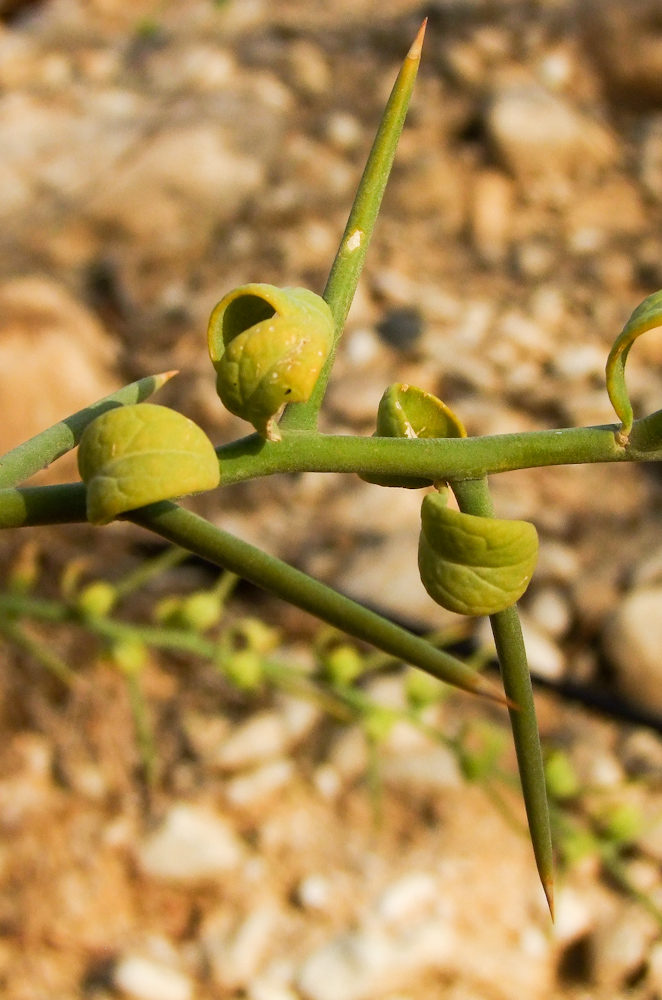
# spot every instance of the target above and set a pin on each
(491, 216)
(422, 774)
(236, 954)
(181, 167)
(543, 140)
(44, 329)
(574, 916)
(263, 736)
(360, 965)
(256, 787)
(619, 947)
(544, 656)
(632, 641)
(193, 845)
(550, 611)
(144, 979)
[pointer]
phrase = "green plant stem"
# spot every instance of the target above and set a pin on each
(37, 453)
(41, 653)
(348, 264)
(473, 497)
(197, 535)
(149, 568)
(144, 735)
(224, 550)
(436, 458)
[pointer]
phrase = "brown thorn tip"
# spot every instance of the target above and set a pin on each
(415, 50)
(548, 887)
(489, 690)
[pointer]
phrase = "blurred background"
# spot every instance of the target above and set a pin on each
(152, 157)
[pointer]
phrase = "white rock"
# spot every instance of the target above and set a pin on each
(544, 656)
(263, 736)
(411, 897)
(258, 785)
(179, 167)
(550, 610)
(372, 960)
(422, 773)
(192, 845)
(539, 135)
(314, 892)
(574, 916)
(264, 988)
(620, 946)
(146, 979)
(237, 955)
(632, 642)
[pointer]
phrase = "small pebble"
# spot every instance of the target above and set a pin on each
(192, 845)
(401, 328)
(145, 979)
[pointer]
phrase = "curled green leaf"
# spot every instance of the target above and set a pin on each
(646, 316)
(474, 565)
(268, 346)
(136, 455)
(410, 412)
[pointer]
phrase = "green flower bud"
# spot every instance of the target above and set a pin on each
(474, 565)
(136, 455)
(268, 346)
(409, 412)
(201, 611)
(343, 664)
(129, 655)
(97, 599)
(244, 669)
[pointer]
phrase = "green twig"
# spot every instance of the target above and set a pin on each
(194, 533)
(348, 264)
(22, 462)
(38, 650)
(150, 568)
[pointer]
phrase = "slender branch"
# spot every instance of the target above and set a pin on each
(473, 497)
(433, 458)
(23, 461)
(348, 264)
(39, 650)
(195, 534)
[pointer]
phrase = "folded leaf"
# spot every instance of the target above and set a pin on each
(474, 565)
(407, 411)
(136, 455)
(268, 346)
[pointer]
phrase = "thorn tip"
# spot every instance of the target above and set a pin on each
(548, 888)
(417, 45)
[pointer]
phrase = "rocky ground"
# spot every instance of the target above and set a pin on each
(153, 156)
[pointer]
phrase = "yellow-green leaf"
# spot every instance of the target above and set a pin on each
(646, 316)
(268, 346)
(132, 456)
(407, 411)
(474, 565)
